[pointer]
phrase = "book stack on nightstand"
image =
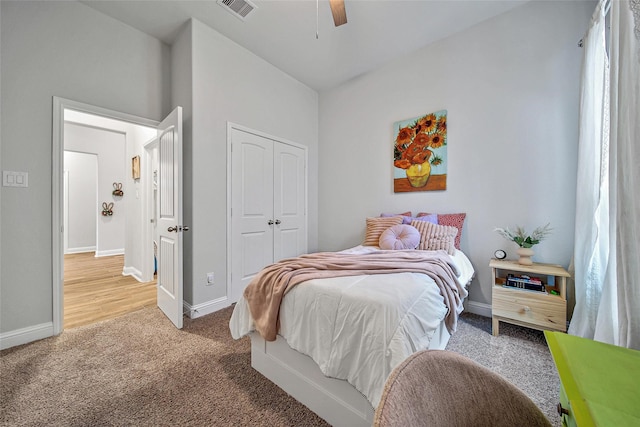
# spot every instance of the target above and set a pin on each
(534, 296)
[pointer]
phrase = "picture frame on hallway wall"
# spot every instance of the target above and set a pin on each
(135, 167)
(420, 153)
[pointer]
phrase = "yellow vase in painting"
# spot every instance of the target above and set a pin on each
(418, 174)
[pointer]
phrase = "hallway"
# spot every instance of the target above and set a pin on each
(95, 289)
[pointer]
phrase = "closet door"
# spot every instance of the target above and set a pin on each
(252, 208)
(268, 205)
(289, 193)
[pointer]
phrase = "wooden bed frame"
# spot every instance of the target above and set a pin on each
(334, 400)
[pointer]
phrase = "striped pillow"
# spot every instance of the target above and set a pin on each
(375, 227)
(454, 220)
(434, 237)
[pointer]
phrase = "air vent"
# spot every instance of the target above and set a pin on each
(238, 8)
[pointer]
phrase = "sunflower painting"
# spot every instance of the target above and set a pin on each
(420, 153)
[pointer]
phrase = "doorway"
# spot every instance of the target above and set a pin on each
(112, 273)
(95, 289)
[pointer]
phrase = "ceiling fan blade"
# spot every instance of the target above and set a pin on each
(338, 11)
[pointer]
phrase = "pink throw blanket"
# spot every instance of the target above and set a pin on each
(266, 290)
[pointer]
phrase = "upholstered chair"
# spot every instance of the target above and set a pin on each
(442, 388)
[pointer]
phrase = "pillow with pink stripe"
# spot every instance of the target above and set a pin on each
(375, 227)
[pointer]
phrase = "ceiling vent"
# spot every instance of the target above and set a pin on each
(238, 8)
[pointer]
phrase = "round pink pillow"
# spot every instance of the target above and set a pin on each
(401, 236)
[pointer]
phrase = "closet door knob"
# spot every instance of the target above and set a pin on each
(270, 222)
(278, 222)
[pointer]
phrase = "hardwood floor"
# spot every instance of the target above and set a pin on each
(95, 289)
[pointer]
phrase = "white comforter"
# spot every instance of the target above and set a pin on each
(358, 328)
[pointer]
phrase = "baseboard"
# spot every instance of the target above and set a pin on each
(479, 308)
(110, 252)
(133, 272)
(199, 310)
(26, 335)
(80, 250)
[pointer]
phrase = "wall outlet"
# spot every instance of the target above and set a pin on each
(210, 278)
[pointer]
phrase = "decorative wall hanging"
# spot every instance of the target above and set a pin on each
(420, 153)
(117, 189)
(107, 209)
(135, 167)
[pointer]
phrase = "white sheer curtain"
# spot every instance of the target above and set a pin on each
(625, 165)
(606, 255)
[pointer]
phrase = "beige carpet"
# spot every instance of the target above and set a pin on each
(139, 370)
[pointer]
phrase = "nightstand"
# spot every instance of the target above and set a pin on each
(533, 309)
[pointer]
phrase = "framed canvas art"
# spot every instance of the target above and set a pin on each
(420, 153)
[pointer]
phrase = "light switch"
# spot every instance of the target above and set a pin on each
(15, 179)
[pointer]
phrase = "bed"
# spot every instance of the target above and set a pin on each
(339, 338)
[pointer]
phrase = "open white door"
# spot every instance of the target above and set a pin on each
(170, 228)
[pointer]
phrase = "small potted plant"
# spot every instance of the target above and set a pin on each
(525, 241)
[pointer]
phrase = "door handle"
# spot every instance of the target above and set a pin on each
(270, 222)
(278, 222)
(178, 228)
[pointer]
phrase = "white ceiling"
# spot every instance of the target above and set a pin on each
(283, 32)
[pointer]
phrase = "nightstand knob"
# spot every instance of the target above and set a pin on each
(561, 410)
(526, 308)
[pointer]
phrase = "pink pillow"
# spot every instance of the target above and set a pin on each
(452, 220)
(406, 216)
(432, 218)
(398, 237)
(385, 215)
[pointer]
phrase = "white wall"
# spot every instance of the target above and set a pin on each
(230, 83)
(110, 149)
(182, 95)
(65, 49)
(82, 200)
(510, 85)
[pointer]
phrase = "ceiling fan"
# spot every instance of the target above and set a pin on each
(338, 11)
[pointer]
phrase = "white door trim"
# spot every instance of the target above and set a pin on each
(148, 235)
(230, 127)
(57, 152)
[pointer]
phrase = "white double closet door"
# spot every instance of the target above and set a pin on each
(268, 204)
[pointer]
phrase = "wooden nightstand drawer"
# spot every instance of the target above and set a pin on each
(543, 310)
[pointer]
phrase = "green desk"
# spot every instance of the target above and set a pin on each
(600, 383)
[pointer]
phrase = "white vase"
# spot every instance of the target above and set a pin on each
(525, 256)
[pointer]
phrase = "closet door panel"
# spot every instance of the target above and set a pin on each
(290, 235)
(252, 207)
